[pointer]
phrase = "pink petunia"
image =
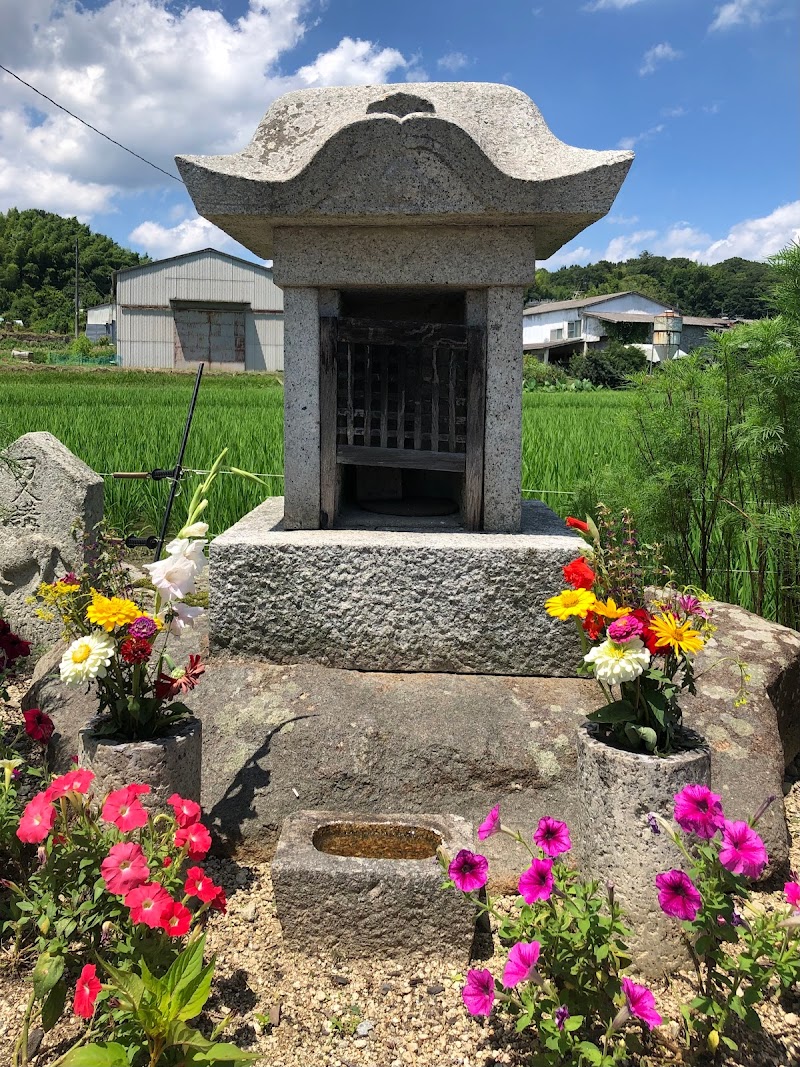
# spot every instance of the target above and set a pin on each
(552, 837)
(537, 882)
(86, 992)
(678, 896)
(469, 871)
(72, 782)
(124, 868)
(792, 891)
(199, 885)
(186, 811)
(478, 993)
(641, 1003)
(490, 825)
(148, 903)
(699, 811)
(742, 850)
(521, 964)
(124, 809)
(196, 837)
(176, 919)
(37, 820)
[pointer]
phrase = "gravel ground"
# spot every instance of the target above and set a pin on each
(304, 1011)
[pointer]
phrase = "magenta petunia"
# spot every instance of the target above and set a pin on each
(625, 628)
(469, 871)
(552, 836)
(699, 811)
(792, 891)
(561, 1016)
(641, 1003)
(742, 851)
(490, 825)
(478, 993)
(537, 882)
(678, 896)
(521, 964)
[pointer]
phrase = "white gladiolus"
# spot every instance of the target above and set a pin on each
(197, 529)
(173, 577)
(87, 658)
(614, 663)
(183, 617)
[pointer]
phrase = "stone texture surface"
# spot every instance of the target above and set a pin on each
(459, 150)
(48, 498)
(301, 408)
(278, 739)
(617, 790)
(390, 600)
(502, 457)
(167, 764)
(353, 906)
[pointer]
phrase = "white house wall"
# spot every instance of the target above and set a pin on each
(536, 328)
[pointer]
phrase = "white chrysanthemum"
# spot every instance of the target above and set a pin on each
(87, 658)
(614, 663)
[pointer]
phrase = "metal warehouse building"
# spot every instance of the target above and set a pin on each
(204, 305)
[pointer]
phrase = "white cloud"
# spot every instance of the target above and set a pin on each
(187, 236)
(621, 220)
(567, 258)
(739, 13)
(159, 77)
(658, 54)
(627, 247)
(453, 61)
(674, 112)
(628, 142)
(609, 5)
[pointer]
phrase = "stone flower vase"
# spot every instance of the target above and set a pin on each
(616, 791)
(168, 764)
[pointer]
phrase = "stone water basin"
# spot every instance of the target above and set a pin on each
(354, 886)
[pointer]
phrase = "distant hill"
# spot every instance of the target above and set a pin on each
(738, 288)
(37, 261)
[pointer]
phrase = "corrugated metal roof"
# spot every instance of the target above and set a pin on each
(585, 301)
(186, 255)
(623, 316)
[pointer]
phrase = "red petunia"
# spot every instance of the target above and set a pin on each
(577, 524)
(72, 782)
(124, 868)
(37, 820)
(579, 574)
(148, 903)
(220, 901)
(197, 837)
(186, 811)
(199, 885)
(176, 919)
(135, 650)
(86, 991)
(38, 725)
(124, 809)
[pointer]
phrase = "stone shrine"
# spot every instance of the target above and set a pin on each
(403, 223)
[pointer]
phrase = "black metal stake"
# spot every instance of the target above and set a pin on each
(176, 475)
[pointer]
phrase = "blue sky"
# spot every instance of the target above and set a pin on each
(706, 92)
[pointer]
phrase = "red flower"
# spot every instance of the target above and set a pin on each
(72, 782)
(135, 650)
(199, 885)
(166, 686)
(124, 868)
(197, 837)
(186, 811)
(167, 861)
(593, 625)
(12, 647)
(86, 991)
(148, 904)
(220, 901)
(579, 574)
(649, 638)
(176, 919)
(37, 820)
(577, 524)
(124, 809)
(38, 725)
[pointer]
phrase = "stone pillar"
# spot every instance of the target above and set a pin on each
(502, 470)
(301, 408)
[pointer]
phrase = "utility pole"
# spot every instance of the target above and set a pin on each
(77, 304)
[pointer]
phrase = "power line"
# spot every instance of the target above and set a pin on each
(72, 115)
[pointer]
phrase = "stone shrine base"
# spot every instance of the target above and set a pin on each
(423, 596)
(279, 739)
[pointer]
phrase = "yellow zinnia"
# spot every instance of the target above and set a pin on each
(677, 635)
(572, 602)
(609, 609)
(109, 612)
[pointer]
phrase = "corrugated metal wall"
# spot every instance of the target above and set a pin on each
(146, 331)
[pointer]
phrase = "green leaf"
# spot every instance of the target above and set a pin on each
(591, 1053)
(619, 711)
(53, 1006)
(103, 1054)
(224, 1052)
(190, 999)
(130, 985)
(46, 973)
(574, 1022)
(186, 967)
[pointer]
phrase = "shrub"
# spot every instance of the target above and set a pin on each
(611, 366)
(81, 346)
(535, 373)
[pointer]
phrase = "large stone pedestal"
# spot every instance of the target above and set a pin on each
(424, 595)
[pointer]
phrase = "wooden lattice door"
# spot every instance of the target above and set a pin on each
(403, 395)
